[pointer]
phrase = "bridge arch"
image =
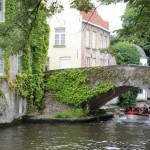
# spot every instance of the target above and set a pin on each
(100, 100)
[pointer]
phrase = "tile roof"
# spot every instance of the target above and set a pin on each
(95, 18)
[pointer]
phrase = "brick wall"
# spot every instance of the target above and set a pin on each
(94, 54)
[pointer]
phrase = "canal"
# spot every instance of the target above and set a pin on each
(105, 135)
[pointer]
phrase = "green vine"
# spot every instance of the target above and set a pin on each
(72, 86)
(2, 94)
(10, 12)
(30, 82)
(11, 9)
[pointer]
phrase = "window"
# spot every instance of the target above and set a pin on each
(1, 11)
(19, 61)
(1, 62)
(87, 38)
(60, 36)
(101, 41)
(93, 62)
(103, 61)
(87, 62)
(105, 41)
(94, 40)
(65, 62)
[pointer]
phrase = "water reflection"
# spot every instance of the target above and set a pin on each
(109, 135)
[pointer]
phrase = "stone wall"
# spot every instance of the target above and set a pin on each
(53, 106)
(12, 106)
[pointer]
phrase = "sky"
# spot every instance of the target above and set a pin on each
(112, 13)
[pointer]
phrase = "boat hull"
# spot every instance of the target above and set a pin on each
(138, 116)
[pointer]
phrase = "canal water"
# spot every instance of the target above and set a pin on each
(104, 135)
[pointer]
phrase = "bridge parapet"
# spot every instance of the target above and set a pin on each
(132, 75)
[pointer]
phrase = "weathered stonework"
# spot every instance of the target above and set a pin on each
(12, 106)
(53, 106)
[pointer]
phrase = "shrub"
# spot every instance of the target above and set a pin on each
(126, 53)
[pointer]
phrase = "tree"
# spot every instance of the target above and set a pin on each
(136, 24)
(114, 39)
(128, 98)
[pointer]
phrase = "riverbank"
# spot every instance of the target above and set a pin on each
(30, 119)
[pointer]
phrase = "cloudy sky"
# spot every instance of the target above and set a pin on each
(112, 13)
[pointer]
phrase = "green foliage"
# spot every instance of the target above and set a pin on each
(126, 53)
(82, 5)
(114, 39)
(2, 94)
(136, 24)
(55, 8)
(136, 20)
(107, 2)
(128, 98)
(30, 83)
(38, 48)
(9, 30)
(10, 12)
(87, 5)
(71, 86)
(71, 113)
(11, 7)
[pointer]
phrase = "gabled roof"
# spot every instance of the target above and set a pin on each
(94, 18)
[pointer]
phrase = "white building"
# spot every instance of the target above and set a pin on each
(142, 95)
(75, 39)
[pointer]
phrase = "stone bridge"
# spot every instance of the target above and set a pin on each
(123, 78)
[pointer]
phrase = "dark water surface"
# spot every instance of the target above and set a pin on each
(107, 135)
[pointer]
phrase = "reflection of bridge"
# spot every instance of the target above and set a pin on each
(123, 77)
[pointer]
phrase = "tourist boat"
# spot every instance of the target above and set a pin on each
(137, 113)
